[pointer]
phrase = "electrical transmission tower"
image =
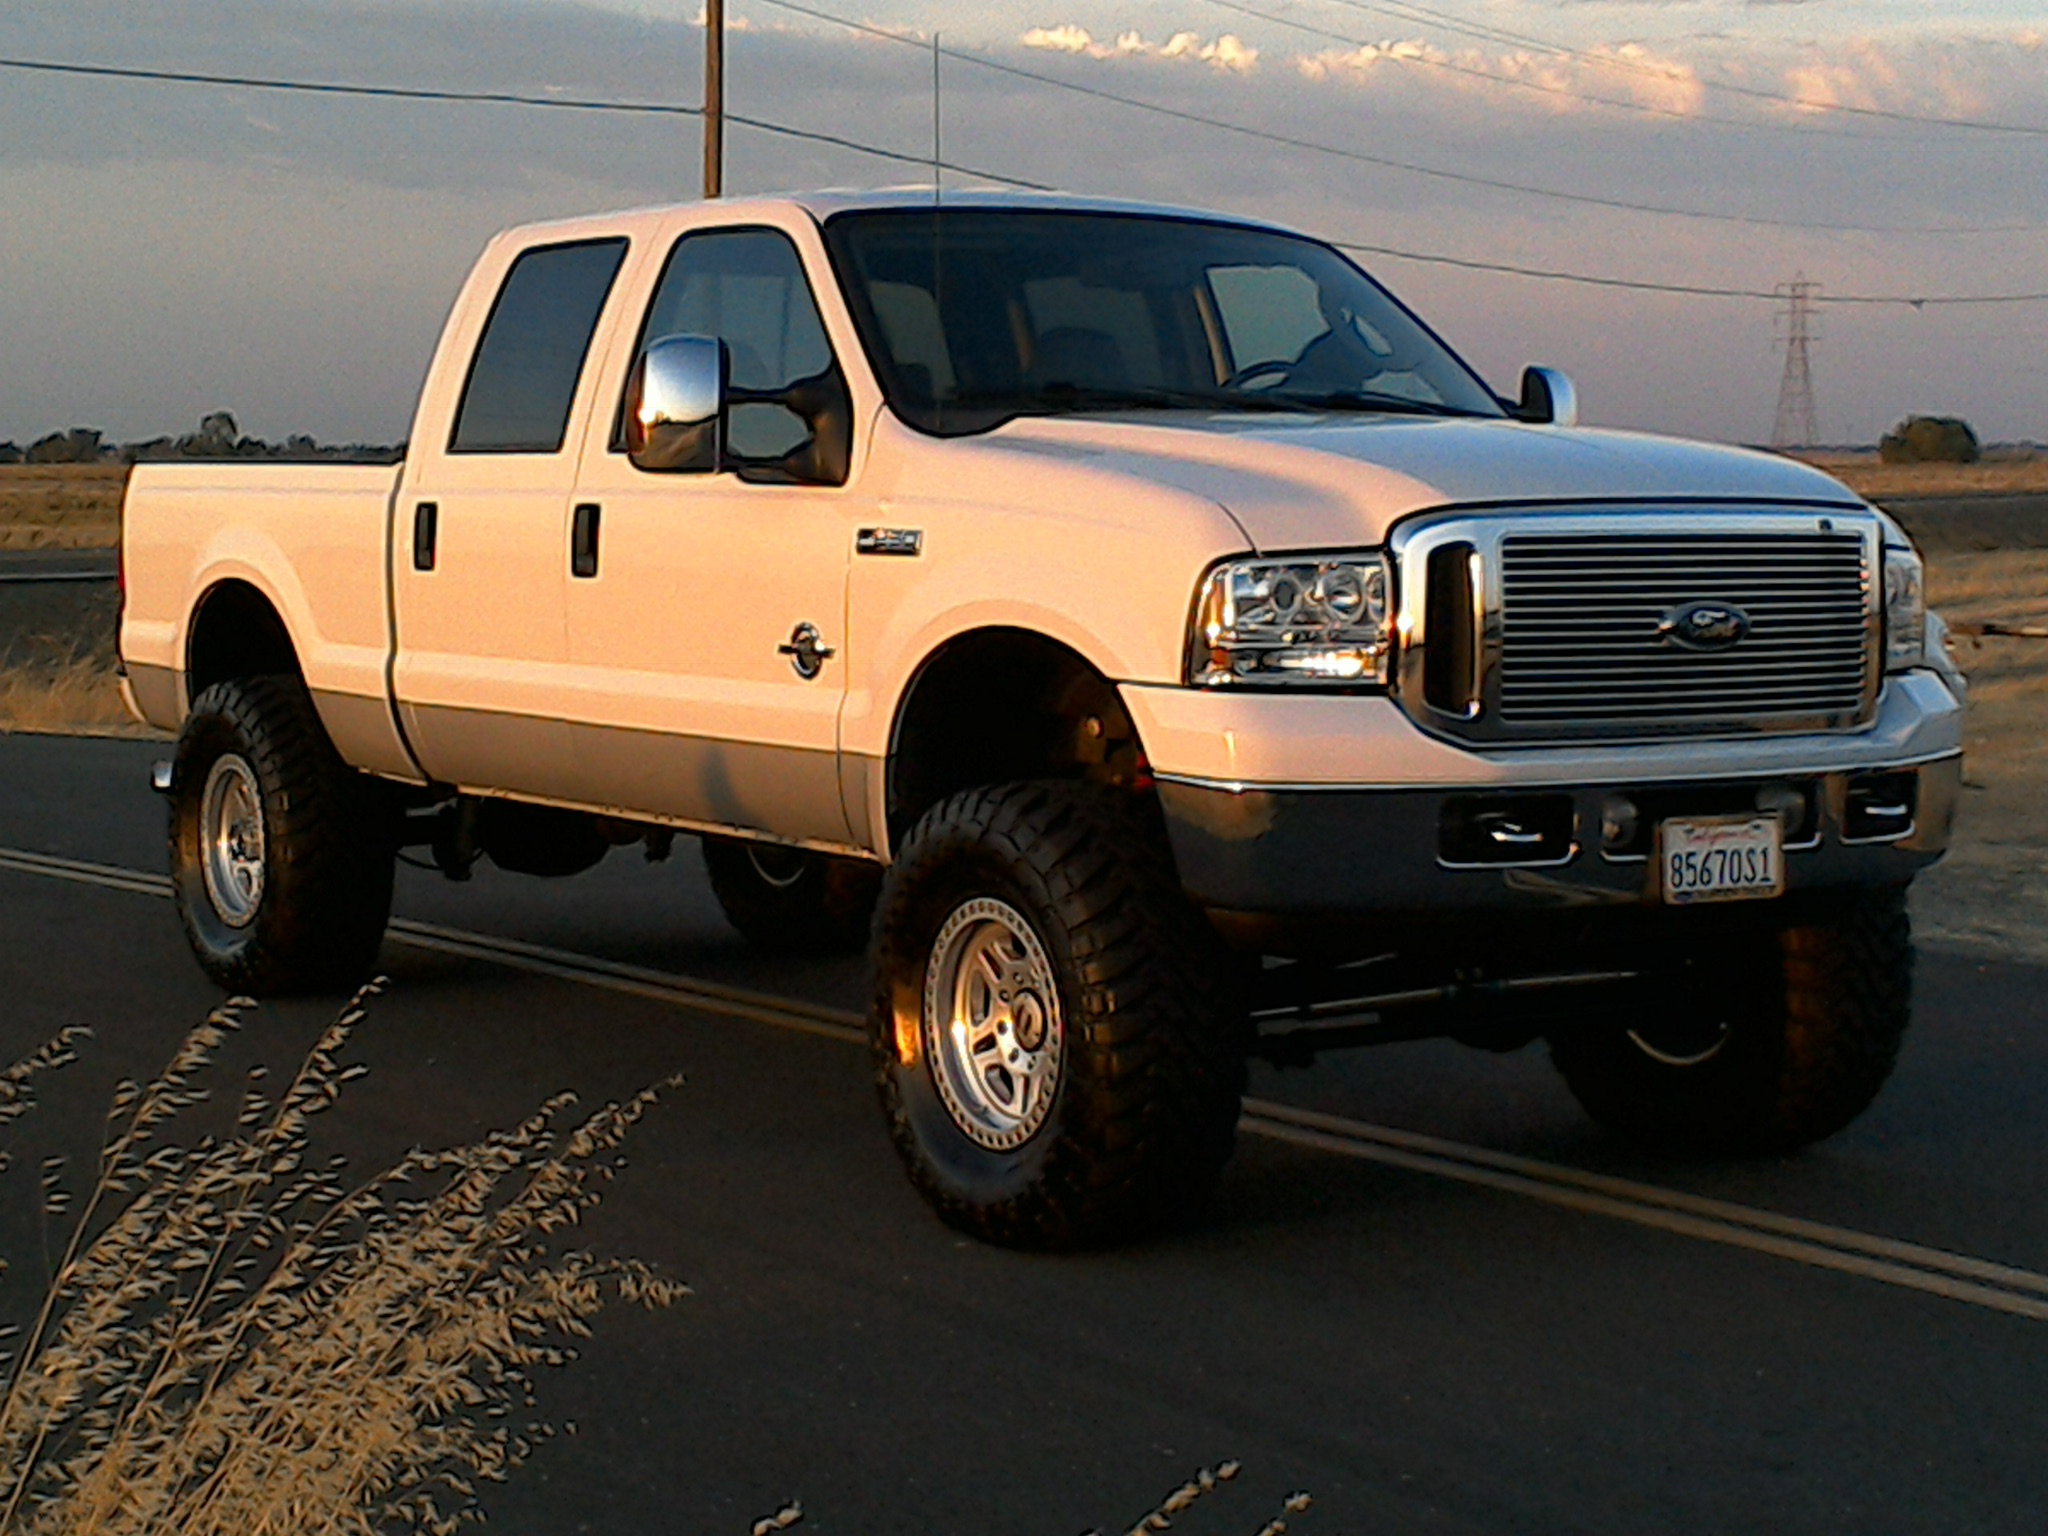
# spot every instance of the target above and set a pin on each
(1798, 424)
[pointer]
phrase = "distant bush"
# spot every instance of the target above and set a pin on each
(80, 445)
(219, 437)
(1930, 440)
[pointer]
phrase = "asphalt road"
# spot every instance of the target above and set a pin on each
(1467, 1336)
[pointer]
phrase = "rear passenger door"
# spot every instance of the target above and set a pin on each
(481, 548)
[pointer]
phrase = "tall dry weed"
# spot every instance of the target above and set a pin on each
(74, 694)
(239, 1339)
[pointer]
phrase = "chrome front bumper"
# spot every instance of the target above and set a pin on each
(1296, 847)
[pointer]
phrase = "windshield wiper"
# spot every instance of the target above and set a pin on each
(1369, 400)
(1058, 398)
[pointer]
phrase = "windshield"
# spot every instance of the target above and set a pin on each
(973, 316)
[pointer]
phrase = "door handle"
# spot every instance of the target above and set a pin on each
(583, 540)
(425, 520)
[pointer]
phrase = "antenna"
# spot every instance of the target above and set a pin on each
(1798, 423)
(938, 239)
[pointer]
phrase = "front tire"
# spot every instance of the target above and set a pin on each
(1057, 1040)
(281, 854)
(1791, 1033)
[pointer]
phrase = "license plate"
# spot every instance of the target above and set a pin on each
(1720, 858)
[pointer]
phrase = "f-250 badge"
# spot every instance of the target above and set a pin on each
(804, 651)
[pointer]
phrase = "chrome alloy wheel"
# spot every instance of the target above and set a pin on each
(992, 1027)
(231, 840)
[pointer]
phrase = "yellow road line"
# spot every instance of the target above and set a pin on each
(1957, 1277)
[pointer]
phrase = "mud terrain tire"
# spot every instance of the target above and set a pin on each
(1065, 889)
(300, 844)
(1812, 1015)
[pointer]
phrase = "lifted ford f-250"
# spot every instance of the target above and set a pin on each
(1138, 622)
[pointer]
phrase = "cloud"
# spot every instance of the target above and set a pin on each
(1874, 75)
(342, 234)
(1227, 52)
(1616, 71)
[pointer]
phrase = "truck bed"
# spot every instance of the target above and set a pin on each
(311, 540)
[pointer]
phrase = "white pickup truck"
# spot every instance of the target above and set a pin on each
(1136, 620)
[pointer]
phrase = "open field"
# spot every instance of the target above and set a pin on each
(57, 658)
(61, 506)
(1992, 891)
(78, 506)
(1866, 475)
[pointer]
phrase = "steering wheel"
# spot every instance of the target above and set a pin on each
(1278, 368)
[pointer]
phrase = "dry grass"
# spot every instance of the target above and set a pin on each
(1991, 893)
(1866, 475)
(78, 506)
(61, 506)
(74, 695)
(238, 1339)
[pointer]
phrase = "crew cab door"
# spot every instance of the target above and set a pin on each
(707, 624)
(480, 551)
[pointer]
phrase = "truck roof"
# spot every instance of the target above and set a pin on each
(823, 204)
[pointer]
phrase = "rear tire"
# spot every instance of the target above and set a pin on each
(792, 899)
(1056, 1034)
(1794, 1031)
(281, 854)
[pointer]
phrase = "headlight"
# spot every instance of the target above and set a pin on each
(1905, 611)
(1306, 622)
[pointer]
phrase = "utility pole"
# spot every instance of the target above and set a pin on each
(714, 98)
(1798, 424)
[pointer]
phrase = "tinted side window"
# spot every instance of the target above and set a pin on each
(523, 381)
(746, 287)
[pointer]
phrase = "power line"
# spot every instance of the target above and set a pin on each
(1416, 168)
(584, 104)
(1689, 290)
(497, 98)
(1620, 103)
(1422, 13)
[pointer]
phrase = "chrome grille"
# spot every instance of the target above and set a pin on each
(1583, 647)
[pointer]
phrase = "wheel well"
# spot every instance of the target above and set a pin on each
(997, 705)
(236, 633)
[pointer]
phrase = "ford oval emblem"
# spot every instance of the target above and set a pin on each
(1704, 626)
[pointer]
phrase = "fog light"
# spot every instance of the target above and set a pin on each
(1506, 830)
(1879, 807)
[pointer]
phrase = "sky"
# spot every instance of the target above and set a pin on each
(170, 250)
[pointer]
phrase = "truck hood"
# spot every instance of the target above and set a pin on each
(1309, 481)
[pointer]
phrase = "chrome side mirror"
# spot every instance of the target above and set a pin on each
(675, 405)
(1549, 398)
